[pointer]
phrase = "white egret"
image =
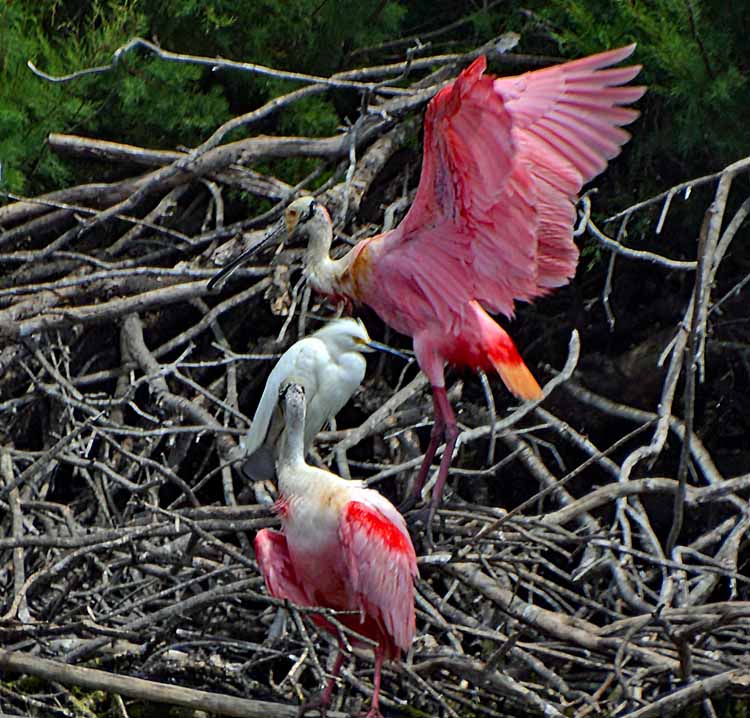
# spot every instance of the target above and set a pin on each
(330, 366)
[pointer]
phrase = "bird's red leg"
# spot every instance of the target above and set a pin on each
(445, 427)
(321, 704)
(450, 431)
(436, 436)
(374, 711)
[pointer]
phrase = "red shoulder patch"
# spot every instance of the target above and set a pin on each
(377, 525)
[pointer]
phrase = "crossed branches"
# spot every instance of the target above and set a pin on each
(577, 570)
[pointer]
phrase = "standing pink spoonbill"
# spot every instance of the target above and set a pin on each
(342, 546)
(491, 223)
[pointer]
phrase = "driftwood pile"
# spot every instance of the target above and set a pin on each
(591, 559)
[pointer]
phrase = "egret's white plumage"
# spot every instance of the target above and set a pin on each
(330, 367)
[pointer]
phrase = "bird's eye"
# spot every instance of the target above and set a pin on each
(310, 212)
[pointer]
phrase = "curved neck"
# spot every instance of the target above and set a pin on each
(293, 445)
(319, 267)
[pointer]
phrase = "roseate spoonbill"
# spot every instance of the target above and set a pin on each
(491, 223)
(342, 546)
(330, 366)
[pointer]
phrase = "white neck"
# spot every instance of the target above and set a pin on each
(292, 450)
(323, 272)
(315, 488)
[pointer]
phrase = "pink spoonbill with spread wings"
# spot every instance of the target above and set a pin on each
(343, 546)
(491, 223)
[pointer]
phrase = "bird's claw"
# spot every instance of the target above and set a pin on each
(423, 517)
(319, 704)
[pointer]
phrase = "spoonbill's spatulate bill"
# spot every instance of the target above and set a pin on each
(330, 366)
(342, 546)
(492, 221)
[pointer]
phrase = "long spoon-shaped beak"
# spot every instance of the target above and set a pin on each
(227, 269)
(379, 346)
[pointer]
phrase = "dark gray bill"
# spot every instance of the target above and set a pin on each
(389, 350)
(227, 269)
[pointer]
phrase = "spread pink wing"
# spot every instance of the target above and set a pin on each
(504, 159)
(275, 564)
(382, 566)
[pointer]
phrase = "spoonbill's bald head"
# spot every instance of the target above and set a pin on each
(303, 213)
(292, 394)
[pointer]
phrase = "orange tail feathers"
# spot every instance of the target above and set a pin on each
(503, 355)
(499, 348)
(517, 377)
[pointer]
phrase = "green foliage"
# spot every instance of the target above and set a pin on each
(693, 52)
(34, 108)
(693, 56)
(144, 101)
(310, 34)
(162, 104)
(312, 116)
(155, 103)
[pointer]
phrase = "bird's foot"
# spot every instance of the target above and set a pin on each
(422, 517)
(374, 712)
(320, 705)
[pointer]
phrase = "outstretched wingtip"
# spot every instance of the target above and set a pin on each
(619, 53)
(603, 59)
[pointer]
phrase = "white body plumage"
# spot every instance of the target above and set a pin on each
(330, 366)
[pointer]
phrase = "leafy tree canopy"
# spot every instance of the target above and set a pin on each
(693, 54)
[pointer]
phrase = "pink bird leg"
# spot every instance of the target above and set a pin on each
(362, 561)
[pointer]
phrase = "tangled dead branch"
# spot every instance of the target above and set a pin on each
(592, 558)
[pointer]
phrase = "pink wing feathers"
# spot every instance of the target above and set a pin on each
(566, 124)
(382, 566)
(275, 564)
(503, 161)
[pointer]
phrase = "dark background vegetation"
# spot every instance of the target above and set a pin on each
(695, 56)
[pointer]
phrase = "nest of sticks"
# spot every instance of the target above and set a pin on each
(591, 552)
